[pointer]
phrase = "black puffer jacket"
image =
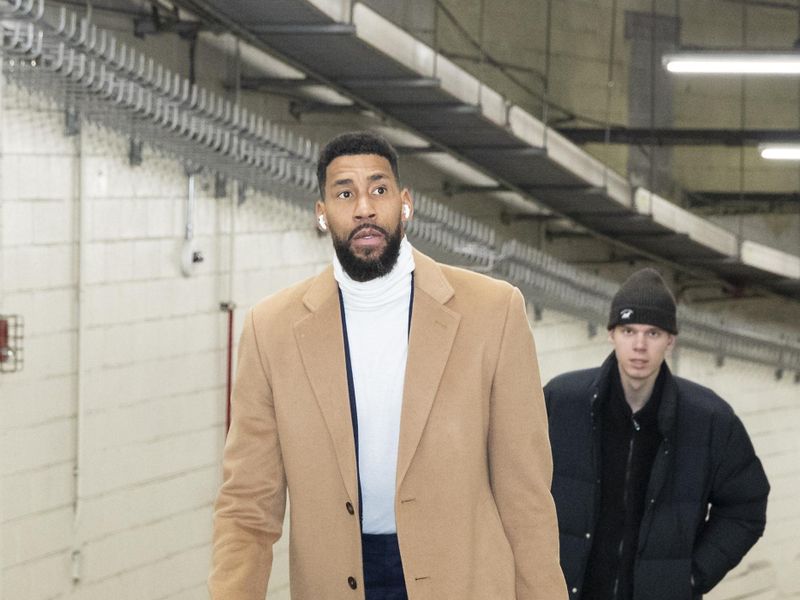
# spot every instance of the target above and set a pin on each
(706, 497)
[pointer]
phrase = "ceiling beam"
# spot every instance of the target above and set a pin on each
(729, 203)
(303, 29)
(678, 137)
(391, 82)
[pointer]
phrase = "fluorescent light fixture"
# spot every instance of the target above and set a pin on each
(733, 63)
(780, 151)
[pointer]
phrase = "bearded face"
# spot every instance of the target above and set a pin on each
(363, 209)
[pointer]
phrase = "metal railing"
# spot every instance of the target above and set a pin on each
(110, 82)
(86, 70)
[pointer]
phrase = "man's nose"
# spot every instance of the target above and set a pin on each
(639, 341)
(365, 208)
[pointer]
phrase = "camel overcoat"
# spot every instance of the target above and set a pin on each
(475, 518)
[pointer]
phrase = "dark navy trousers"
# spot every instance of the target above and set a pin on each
(383, 569)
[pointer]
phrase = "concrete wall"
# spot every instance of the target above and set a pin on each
(125, 370)
(780, 231)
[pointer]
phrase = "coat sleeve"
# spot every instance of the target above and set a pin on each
(738, 507)
(249, 511)
(520, 461)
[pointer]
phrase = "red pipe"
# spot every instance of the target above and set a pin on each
(4, 354)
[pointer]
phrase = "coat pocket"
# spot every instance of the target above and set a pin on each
(494, 556)
(663, 579)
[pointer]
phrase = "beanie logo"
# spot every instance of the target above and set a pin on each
(626, 313)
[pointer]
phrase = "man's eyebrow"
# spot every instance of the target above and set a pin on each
(374, 177)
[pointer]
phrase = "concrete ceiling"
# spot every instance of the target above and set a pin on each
(466, 107)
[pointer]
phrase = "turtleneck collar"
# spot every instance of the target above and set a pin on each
(378, 292)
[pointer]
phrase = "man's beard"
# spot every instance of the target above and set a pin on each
(375, 265)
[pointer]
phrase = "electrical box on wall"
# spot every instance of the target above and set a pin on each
(11, 351)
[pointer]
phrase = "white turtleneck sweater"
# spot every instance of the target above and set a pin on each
(376, 312)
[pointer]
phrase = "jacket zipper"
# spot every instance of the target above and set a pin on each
(621, 546)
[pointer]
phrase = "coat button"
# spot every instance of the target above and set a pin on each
(574, 590)
(351, 581)
(350, 508)
(588, 535)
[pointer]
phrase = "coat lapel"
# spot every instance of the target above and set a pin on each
(321, 343)
(433, 330)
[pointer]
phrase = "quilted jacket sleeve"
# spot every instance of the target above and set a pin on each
(738, 506)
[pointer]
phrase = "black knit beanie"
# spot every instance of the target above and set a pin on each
(645, 299)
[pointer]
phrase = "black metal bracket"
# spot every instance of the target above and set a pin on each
(72, 121)
(135, 148)
(157, 23)
(220, 186)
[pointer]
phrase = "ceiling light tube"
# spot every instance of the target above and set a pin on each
(733, 63)
(780, 151)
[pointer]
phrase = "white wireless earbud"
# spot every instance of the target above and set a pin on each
(406, 211)
(323, 226)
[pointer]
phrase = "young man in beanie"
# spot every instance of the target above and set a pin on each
(658, 490)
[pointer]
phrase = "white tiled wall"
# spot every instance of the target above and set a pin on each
(150, 373)
(770, 410)
(149, 380)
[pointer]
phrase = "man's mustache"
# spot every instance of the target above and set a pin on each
(364, 226)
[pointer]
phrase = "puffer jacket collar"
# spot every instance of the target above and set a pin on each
(669, 395)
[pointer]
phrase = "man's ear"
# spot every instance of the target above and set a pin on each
(322, 220)
(407, 200)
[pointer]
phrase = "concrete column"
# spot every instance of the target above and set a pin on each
(650, 94)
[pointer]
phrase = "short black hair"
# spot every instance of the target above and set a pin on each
(354, 142)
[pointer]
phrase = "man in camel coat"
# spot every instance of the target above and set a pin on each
(399, 402)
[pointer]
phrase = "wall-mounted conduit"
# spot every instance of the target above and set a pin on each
(65, 58)
(190, 256)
